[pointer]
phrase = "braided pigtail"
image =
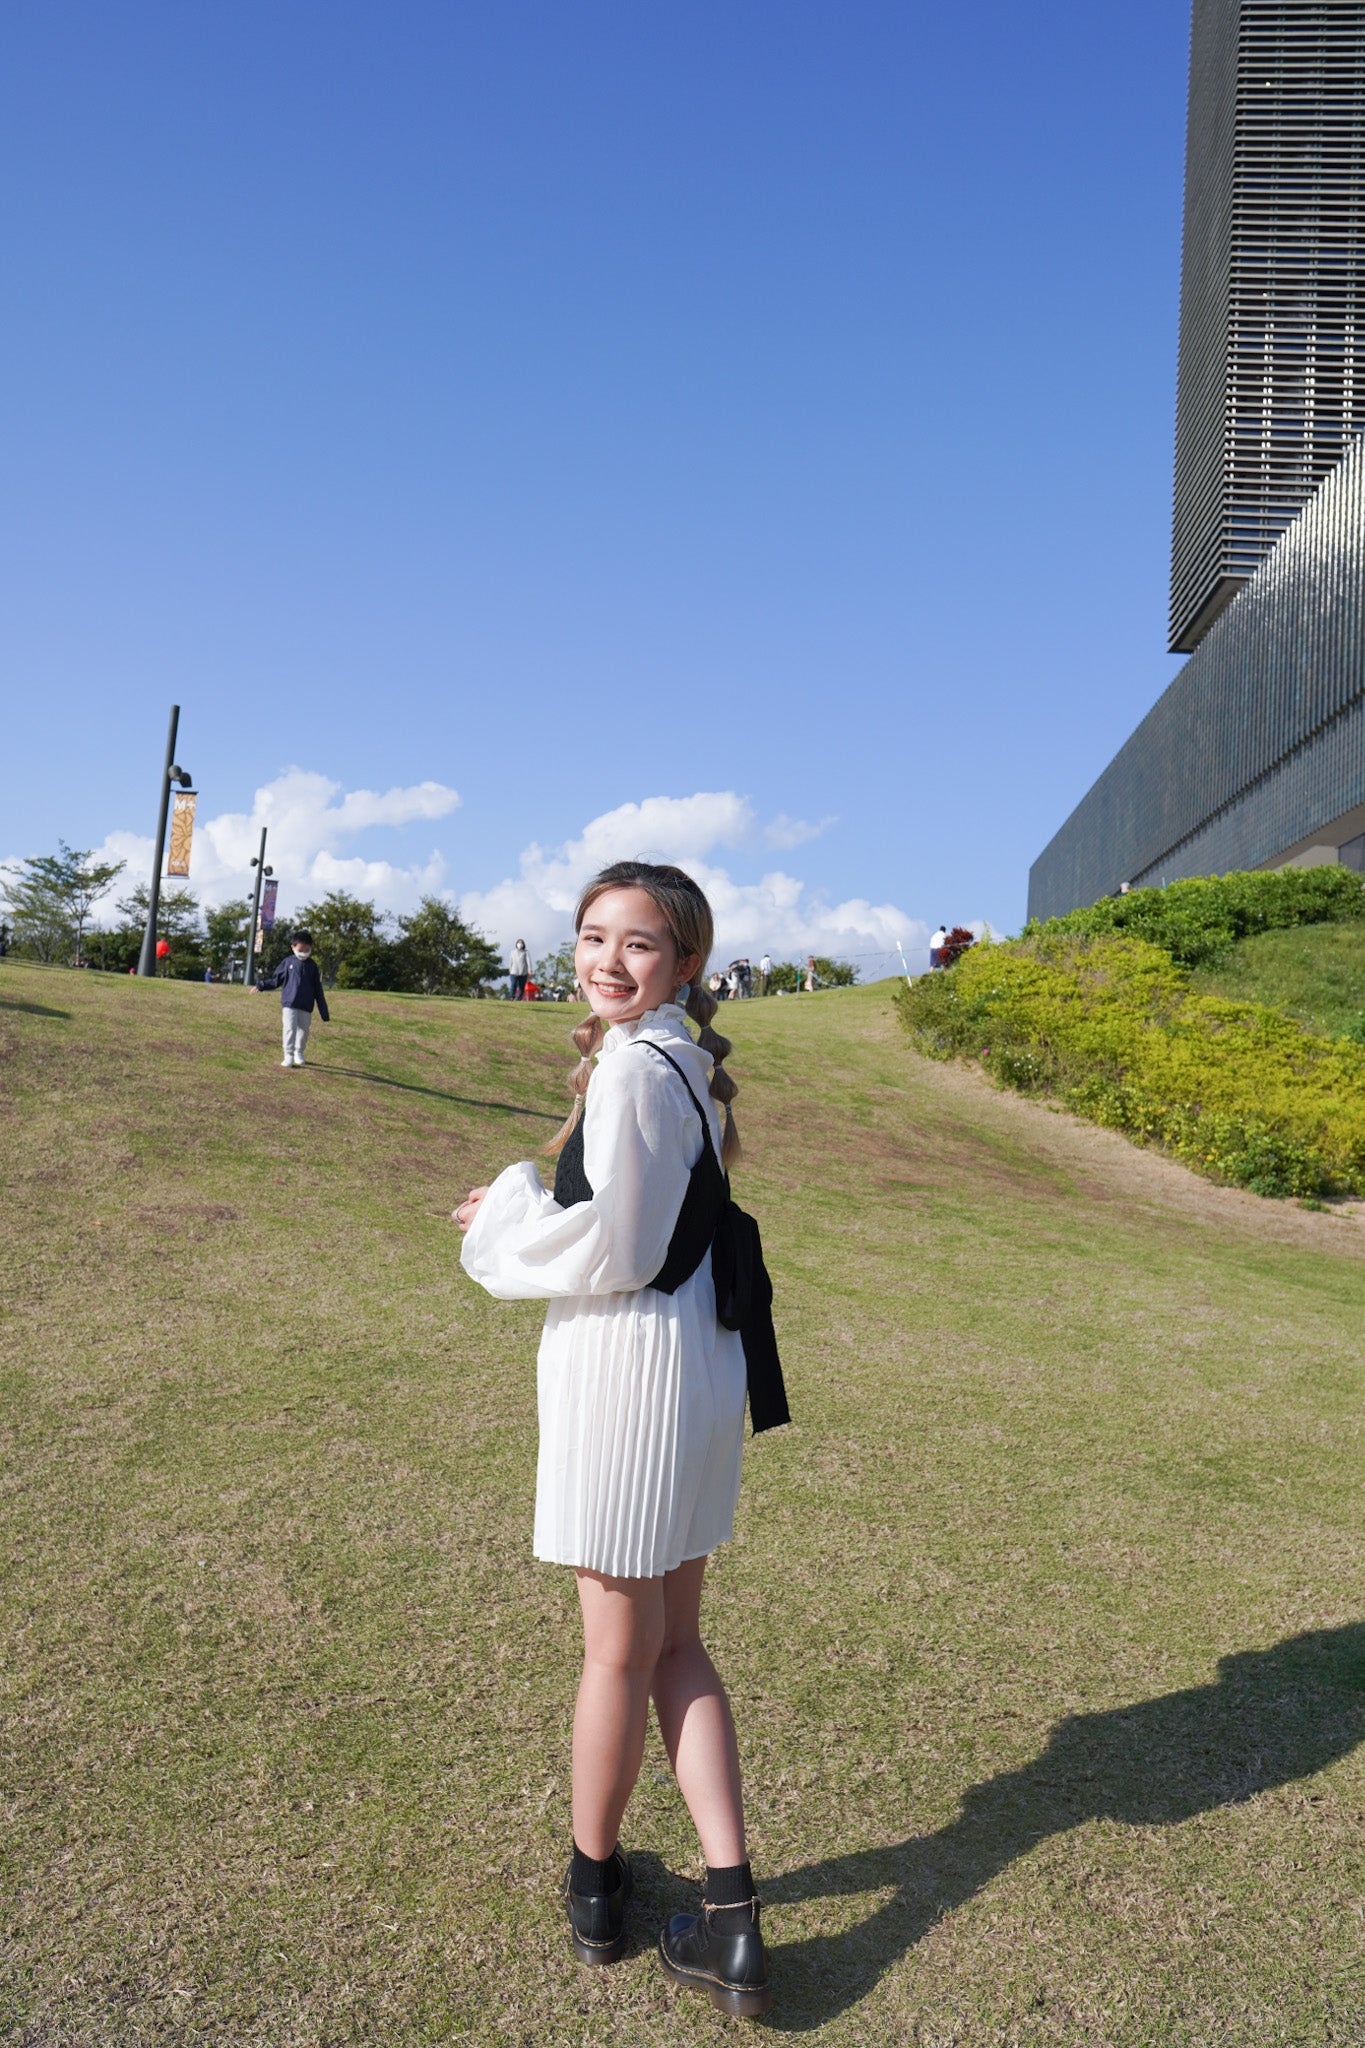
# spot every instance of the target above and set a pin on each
(701, 1008)
(585, 1037)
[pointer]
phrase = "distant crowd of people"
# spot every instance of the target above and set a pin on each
(731, 984)
(738, 980)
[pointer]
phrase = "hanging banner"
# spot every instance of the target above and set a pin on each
(268, 895)
(182, 832)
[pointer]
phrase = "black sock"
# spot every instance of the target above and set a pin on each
(592, 1879)
(729, 1888)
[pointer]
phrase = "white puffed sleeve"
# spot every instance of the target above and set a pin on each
(640, 1142)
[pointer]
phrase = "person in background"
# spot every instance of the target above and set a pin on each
(765, 974)
(811, 977)
(519, 971)
(937, 942)
(300, 987)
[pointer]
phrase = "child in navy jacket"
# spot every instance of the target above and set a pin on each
(300, 987)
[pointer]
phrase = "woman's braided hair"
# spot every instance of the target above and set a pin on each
(692, 929)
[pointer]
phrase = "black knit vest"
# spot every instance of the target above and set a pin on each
(708, 1191)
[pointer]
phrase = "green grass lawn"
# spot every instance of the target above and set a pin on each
(1045, 1622)
(1316, 972)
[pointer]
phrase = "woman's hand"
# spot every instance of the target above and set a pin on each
(464, 1215)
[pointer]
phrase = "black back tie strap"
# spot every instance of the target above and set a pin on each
(744, 1292)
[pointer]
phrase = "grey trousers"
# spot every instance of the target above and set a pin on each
(297, 1025)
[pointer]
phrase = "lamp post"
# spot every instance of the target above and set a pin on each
(171, 773)
(257, 862)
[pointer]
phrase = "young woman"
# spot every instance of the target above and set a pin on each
(641, 1396)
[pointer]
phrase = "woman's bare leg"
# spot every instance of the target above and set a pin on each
(623, 1632)
(695, 1721)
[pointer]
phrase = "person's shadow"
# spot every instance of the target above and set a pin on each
(33, 1009)
(547, 1116)
(1273, 1715)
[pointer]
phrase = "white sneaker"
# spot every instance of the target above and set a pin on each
(298, 1063)
(286, 1063)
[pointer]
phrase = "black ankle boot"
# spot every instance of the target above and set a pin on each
(597, 1920)
(720, 1950)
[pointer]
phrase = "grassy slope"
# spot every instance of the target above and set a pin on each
(1316, 972)
(285, 1699)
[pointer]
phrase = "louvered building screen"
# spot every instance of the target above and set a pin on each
(1272, 308)
(1260, 739)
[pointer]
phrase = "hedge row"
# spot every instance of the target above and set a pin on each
(1198, 921)
(1108, 1025)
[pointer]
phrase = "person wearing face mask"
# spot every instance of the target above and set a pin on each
(518, 971)
(301, 991)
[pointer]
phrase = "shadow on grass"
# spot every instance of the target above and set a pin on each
(440, 1094)
(1274, 1715)
(34, 1009)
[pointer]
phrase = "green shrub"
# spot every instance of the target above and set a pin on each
(1108, 1025)
(1197, 921)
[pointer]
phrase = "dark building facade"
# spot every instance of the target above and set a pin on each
(1271, 384)
(1255, 755)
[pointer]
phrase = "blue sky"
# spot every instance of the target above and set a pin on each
(761, 415)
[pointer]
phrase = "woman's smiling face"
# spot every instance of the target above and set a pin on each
(626, 959)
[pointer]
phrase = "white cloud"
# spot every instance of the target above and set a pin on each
(779, 913)
(785, 832)
(307, 833)
(313, 824)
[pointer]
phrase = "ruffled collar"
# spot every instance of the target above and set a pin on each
(668, 1021)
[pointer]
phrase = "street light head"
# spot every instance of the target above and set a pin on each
(268, 869)
(185, 778)
(255, 862)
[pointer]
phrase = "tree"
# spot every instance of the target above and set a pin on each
(50, 899)
(557, 969)
(225, 933)
(177, 922)
(115, 951)
(38, 908)
(342, 927)
(373, 964)
(440, 955)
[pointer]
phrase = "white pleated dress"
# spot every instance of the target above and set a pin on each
(641, 1394)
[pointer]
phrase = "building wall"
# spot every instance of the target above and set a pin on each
(1260, 739)
(1271, 384)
